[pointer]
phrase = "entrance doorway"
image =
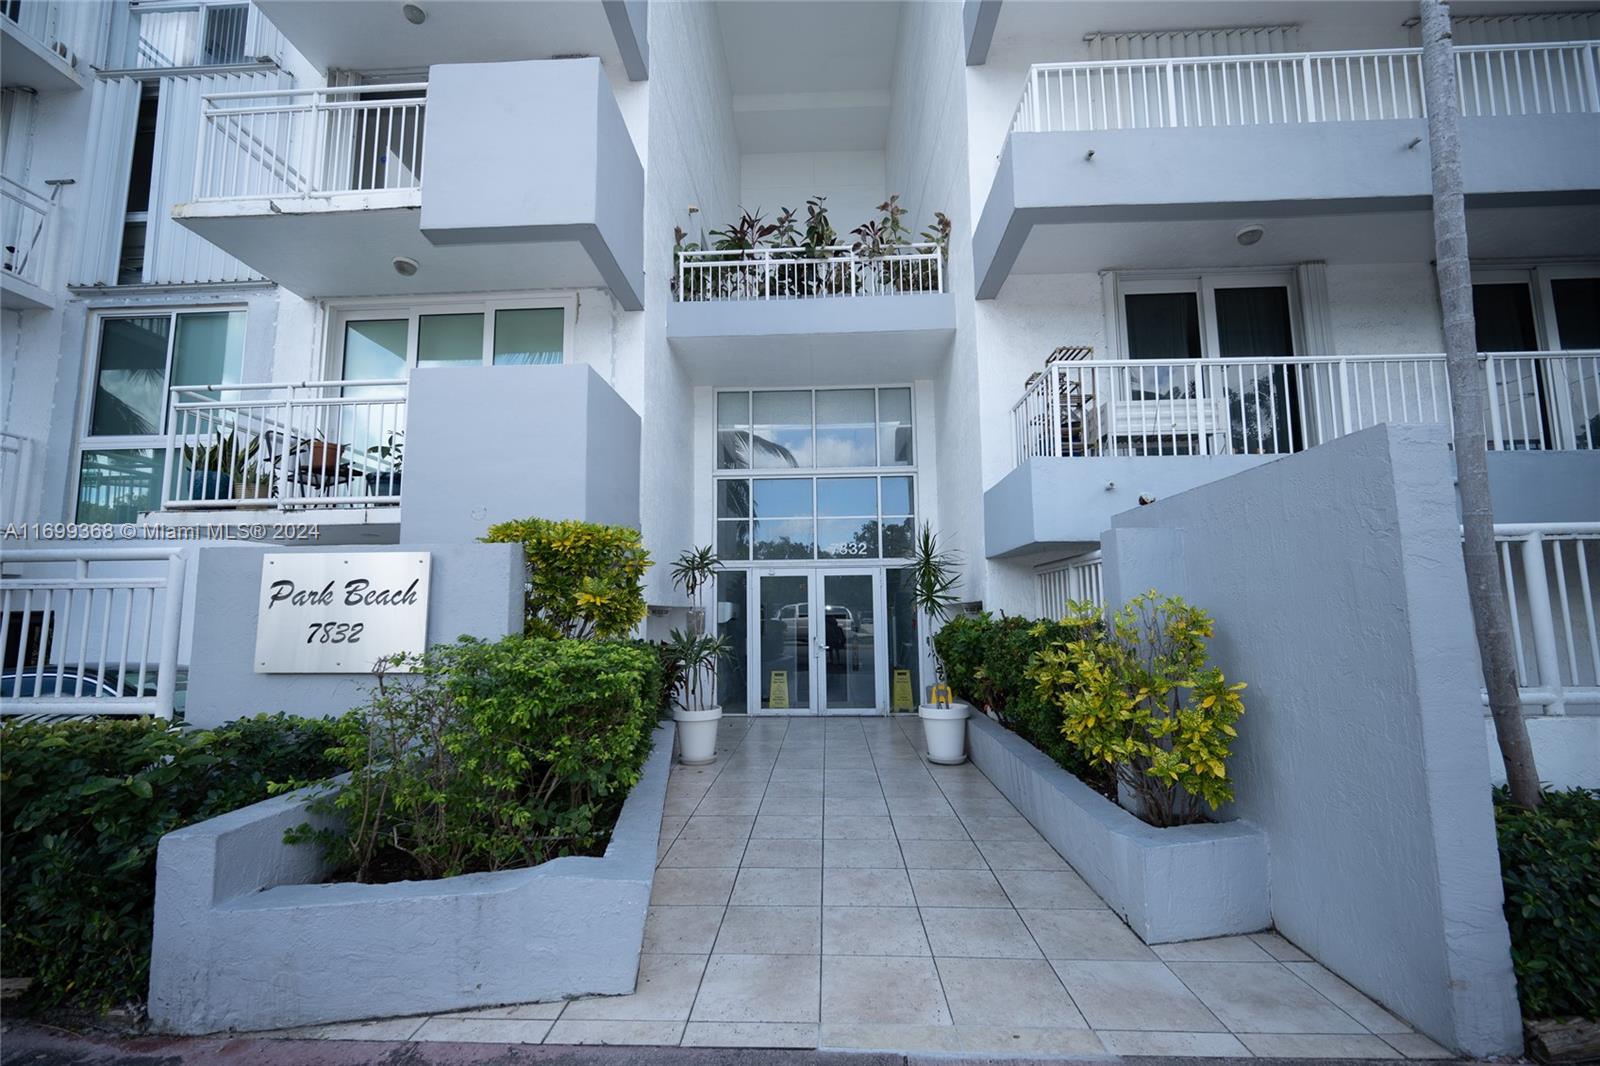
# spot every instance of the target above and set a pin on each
(816, 647)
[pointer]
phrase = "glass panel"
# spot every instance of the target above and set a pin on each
(1253, 323)
(898, 537)
(1503, 315)
(375, 350)
(733, 627)
(130, 379)
(897, 497)
(529, 336)
(850, 666)
(782, 429)
(894, 427)
(115, 486)
(845, 420)
(733, 433)
(846, 496)
(783, 538)
(782, 497)
(847, 538)
(900, 634)
(733, 498)
(733, 539)
(209, 349)
(449, 340)
(1577, 307)
(1163, 325)
(785, 668)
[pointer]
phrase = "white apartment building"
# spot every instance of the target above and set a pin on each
(242, 241)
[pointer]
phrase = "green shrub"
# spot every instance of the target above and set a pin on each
(1550, 862)
(490, 756)
(83, 805)
(584, 579)
(1143, 699)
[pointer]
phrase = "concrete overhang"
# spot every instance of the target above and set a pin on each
(17, 294)
(28, 63)
(377, 35)
(978, 20)
(844, 341)
(1083, 201)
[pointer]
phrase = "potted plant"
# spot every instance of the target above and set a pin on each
(216, 467)
(933, 583)
(695, 656)
(388, 461)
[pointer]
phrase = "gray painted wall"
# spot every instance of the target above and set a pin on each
(486, 444)
(535, 151)
(475, 590)
(1545, 486)
(1336, 581)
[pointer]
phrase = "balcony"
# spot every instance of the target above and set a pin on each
(1125, 161)
(322, 189)
(781, 316)
(1091, 437)
(25, 231)
(34, 49)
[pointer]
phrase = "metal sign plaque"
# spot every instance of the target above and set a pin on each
(326, 613)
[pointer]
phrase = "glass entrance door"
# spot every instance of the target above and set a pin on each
(782, 659)
(816, 647)
(848, 643)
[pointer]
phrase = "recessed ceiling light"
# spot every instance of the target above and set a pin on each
(404, 267)
(1250, 235)
(414, 14)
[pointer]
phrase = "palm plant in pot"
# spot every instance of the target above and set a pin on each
(933, 583)
(695, 657)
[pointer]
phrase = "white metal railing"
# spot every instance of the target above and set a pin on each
(16, 474)
(790, 274)
(202, 34)
(40, 19)
(1303, 87)
(1075, 580)
(1150, 407)
(1551, 576)
(24, 231)
(291, 446)
(75, 642)
(310, 142)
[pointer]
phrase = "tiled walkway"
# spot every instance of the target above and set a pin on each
(821, 885)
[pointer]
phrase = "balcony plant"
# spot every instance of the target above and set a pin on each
(216, 467)
(388, 460)
(934, 579)
(693, 658)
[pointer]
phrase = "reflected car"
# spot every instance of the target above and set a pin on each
(29, 684)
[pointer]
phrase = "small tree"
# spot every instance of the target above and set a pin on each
(695, 657)
(1143, 700)
(934, 579)
(695, 569)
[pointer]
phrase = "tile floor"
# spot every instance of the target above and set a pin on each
(820, 885)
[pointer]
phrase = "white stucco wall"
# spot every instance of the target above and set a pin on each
(853, 183)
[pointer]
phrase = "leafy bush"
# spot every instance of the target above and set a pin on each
(1143, 700)
(1550, 862)
(83, 805)
(584, 579)
(490, 756)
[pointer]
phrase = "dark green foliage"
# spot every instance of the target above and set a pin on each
(490, 756)
(986, 661)
(83, 805)
(1550, 862)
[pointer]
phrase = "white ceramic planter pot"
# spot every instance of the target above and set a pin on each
(945, 730)
(697, 735)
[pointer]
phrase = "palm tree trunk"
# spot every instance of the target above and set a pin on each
(1467, 404)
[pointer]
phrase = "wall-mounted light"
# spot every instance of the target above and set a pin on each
(1089, 155)
(404, 267)
(414, 14)
(1250, 235)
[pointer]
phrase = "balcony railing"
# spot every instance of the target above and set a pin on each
(791, 274)
(201, 34)
(24, 232)
(308, 445)
(1551, 575)
(310, 142)
(1303, 87)
(1151, 407)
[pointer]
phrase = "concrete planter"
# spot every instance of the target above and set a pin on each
(944, 731)
(246, 939)
(1183, 883)
(697, 735)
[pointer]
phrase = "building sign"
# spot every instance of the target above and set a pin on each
(326, 613)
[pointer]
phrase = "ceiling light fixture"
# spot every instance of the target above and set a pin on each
(1250, 235)
(414, 14)
(404, 267)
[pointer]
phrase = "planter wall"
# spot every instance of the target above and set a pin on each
(1183, 883)
(244, 938)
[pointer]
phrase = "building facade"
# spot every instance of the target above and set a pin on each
(1181, 240)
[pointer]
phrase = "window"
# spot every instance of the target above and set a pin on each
(828, 429)
(138, 359)
(803, 518)
(130, 263)
(378, 345)
(1540, 402)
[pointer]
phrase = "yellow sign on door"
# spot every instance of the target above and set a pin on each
(902, 691)
(778, 690)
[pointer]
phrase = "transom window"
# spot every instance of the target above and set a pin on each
(820, 429)
(379, 345)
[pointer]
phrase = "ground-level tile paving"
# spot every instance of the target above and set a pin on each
(823, 885)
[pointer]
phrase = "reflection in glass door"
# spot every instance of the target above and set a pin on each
(848, 643)
(783, 662)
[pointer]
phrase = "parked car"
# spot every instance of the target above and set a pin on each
(71, 684)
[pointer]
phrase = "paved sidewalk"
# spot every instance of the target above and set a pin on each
(821, 885)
